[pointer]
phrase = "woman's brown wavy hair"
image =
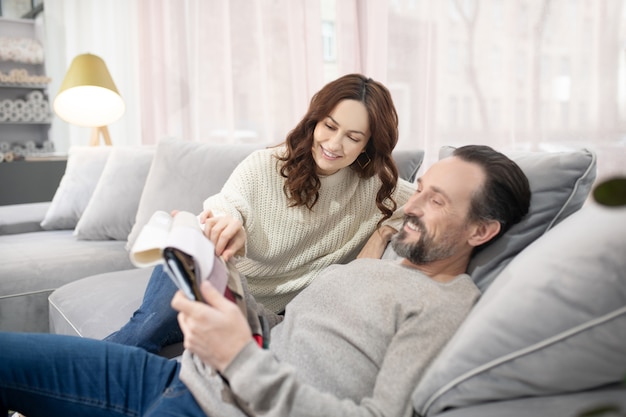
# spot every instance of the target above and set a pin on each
(302, 183)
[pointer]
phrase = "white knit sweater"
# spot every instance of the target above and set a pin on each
(287, 246)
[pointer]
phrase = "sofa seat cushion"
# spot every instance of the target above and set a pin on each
(98, 305)
(34, 264)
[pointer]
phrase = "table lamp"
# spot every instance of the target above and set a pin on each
(88, 97)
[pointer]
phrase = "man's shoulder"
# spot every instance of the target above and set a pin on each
(376, 268)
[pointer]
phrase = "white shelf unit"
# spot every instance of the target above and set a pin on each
(28, 125)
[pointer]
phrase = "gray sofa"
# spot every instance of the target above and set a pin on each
(545, 339)
(105, 196)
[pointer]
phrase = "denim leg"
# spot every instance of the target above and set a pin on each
(47, 375)
(154, 324)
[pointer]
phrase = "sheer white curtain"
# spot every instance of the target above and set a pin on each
(227, 71)
(202, 70)
(531, 74)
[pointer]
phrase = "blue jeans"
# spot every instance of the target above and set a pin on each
(154, 324)
(53, 375)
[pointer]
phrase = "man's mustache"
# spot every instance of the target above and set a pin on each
(416, 221)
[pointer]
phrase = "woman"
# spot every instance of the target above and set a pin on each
(288, 212)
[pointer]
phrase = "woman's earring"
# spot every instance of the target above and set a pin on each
(366, 163)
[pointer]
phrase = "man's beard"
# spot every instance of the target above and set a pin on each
(426, 249)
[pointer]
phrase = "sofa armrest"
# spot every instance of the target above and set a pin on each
(22, 218)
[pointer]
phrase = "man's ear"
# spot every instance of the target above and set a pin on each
(483, 232)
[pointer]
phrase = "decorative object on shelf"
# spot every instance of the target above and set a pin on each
(88, 97)
(21, 151)
(33, 109)
(25, 50)
(16, 9)
(23, 117)
(21, 77)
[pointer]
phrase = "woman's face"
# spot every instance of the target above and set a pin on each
(340, 137)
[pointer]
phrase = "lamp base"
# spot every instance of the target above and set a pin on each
(95, 136)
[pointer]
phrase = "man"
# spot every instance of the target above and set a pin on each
(355, 342)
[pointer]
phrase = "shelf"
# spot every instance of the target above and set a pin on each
(25, 86)
(45, 122)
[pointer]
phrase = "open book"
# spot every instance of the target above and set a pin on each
(179, 244)
(189, 257)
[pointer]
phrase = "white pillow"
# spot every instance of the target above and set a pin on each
(83, 170)
(183, 174)
(553, 322)
(110, 213)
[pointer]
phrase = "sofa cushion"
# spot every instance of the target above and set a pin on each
(110, 213)
(408, 162)
(183, 174)
(33, 264)
(97, 305)
(82, 172)
(560, 183)
(553, 322)
(173, 184)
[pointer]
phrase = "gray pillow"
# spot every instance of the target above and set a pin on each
(84, 166)
(560, 183)
(408, 162)
(183, 174)
(553, 322)
(110, 213)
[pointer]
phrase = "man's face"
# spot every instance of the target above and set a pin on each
(435, 223)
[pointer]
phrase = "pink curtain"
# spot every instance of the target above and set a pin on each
(533, 74)
(227, 71)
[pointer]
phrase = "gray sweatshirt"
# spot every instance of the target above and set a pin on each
(353, 343)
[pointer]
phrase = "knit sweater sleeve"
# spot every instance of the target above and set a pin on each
(237, 195)
(268, 387)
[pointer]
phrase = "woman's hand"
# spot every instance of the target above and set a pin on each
(217, 331)
(226, 233)
(376, 244)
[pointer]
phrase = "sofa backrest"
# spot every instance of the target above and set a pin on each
(111, 192)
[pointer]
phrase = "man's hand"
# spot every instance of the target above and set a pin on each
(376, 244)
(217, 331)
(226, 233)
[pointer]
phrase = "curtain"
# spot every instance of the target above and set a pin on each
(542, 75)
(226, 71)
(527, 74)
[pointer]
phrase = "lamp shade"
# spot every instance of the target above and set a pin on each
(88, 96)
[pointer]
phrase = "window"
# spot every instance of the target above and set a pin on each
(328, 41)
